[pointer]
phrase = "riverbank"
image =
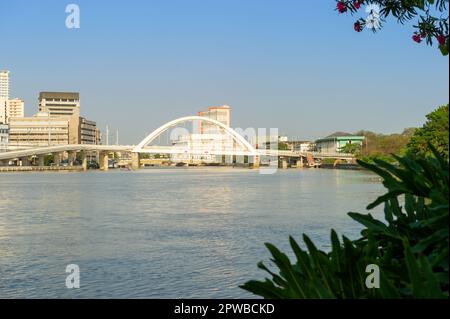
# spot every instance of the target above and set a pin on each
(10, 169)
(6, 169)
(342, 166)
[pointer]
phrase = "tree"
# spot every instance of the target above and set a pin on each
(48, 159)
(351, 148)
(283, 146)
(432, 15)
(435, 132)
(378, 145)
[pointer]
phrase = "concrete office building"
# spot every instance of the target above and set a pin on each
(67, 105)
(38, 131)
(88, 132)
(4, 84)
(27, 132)
(60, 103)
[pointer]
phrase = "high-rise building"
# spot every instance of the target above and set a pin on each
(8, 107)
(4, 84)
(60, 103)
(218, 113)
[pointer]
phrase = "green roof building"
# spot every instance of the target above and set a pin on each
(335, 142)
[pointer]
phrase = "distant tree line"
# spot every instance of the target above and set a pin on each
(414, 141)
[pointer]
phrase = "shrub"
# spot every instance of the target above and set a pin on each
(410, 248)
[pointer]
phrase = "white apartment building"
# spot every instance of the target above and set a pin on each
(4, 84)
(11, 108)
(15, 108)
(218, 113)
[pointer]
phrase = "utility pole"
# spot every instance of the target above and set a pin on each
(107, 135)
(117, 137)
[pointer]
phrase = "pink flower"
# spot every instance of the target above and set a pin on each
(357, 26)
(341, 7)
(417, 38)
(441, 39)
(357, 4)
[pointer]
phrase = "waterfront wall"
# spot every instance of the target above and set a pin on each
(5, 169)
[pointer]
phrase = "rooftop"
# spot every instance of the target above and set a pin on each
(339, 134)
(59, 95)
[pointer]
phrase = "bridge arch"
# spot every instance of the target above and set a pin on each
(229, 131)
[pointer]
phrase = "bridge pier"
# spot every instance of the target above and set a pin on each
(84, 161)
(25, 161)
(135, 160)
(103, 160)
(72, 156)
(57, 159)
(283, 163)
(40, 160)
(300, 162)
(256, 161)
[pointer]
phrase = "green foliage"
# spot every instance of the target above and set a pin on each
(145, 156)
(80, 156)
(351, 148)
(329, 160)
(410, 247)
(381, 146)
(48, 159)
(283, 146)
(435, 132)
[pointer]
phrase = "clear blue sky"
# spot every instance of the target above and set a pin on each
(295, 65)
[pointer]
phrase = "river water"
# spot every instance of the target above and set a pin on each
(164, 233)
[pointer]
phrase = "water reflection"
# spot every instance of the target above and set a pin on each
(164, 232)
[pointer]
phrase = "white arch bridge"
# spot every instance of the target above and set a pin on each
(231, 144)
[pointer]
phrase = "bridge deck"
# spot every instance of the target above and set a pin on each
(162, 150)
